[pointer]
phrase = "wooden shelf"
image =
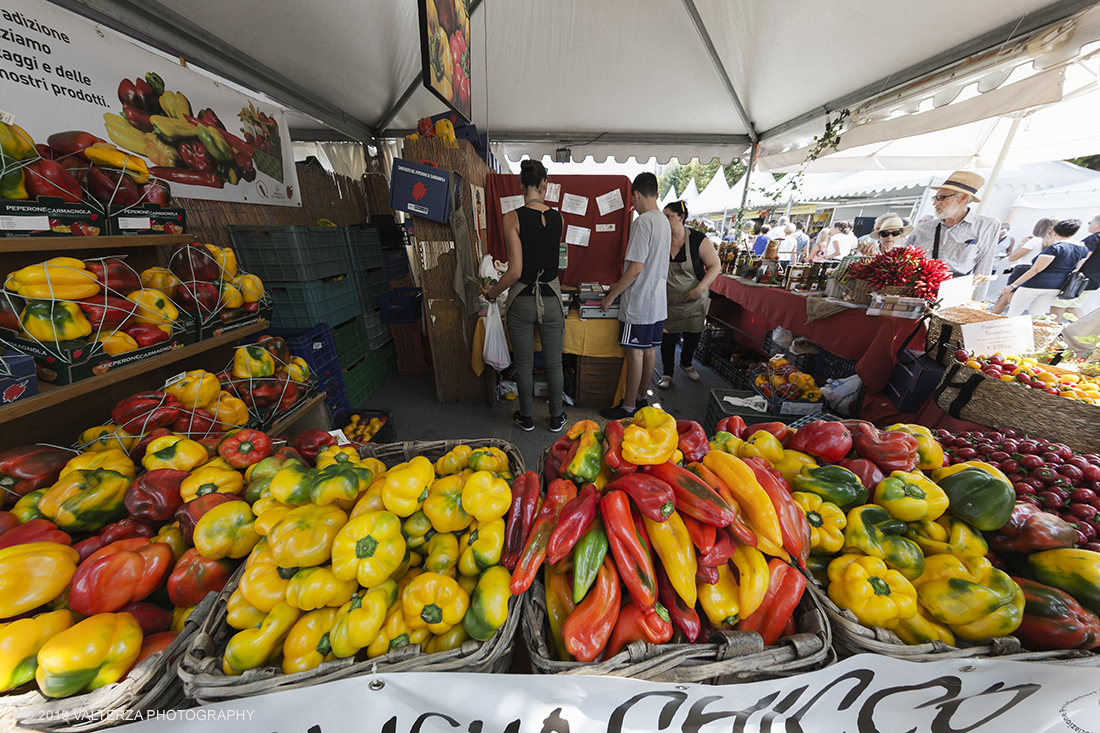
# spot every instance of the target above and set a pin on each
(51, 395)
(51, 244)
(300, 411)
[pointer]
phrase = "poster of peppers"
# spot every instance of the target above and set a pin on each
(155, 129)
(445, 51)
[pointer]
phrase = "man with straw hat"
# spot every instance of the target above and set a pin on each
(964, 240)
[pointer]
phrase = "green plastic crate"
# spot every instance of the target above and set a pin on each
(362, 378)
(351, 341)
(718, 409)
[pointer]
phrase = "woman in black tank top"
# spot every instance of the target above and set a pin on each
(532, 235)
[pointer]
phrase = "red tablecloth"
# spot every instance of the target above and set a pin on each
(872, 341)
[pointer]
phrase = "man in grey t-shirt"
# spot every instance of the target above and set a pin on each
(642, 309)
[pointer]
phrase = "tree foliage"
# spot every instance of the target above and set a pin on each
(702, 173)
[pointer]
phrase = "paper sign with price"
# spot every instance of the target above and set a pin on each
(1007, 336)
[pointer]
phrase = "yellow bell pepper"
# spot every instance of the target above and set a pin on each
(792, 462)
(51, 321)
(226, 259)
(417, 530)
(211, 480)
(396, 633)
(826, 521)
(112, 459)
(454, 461)
(877, 595)
(317, 587)
(106, 437)
(240, 614)
(910, 497)
(308, 643)
(153, 307)
(447, 642)
(407, 486)
(227, 530)
(160, 279)
(198, 388)
(253, 648)
(85, 500)
(269, 514)
(291, 484)
(219, 463)
(359, 621)
(481, 547)
(180, 616)
(230, 296)
(922, 629)
(468, 583)
(947, 536)
(34, 574)
(651, 439)
(371, 500)
(334, 454)
(444, 507)
(929, 450)
(443, 551)
(298, 371)
(305, 535)
(117, 342)
(172, 535)
(762, 444)
(339, 482)
(263, 583)
(20, 642)
(253, 362)
(94, 653)
(722, 601)
(940, 473)
(370, 547)
(229, 411)
(59, 278)
(252, 289)
(488, 604)
(485, 497)
(174, 451)
(434, 601)
(489, 459)
(970, 596)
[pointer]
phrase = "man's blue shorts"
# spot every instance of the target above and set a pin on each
(640, 335)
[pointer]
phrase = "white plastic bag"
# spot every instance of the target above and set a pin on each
(496, 345)
(841, 394)
(782, 338)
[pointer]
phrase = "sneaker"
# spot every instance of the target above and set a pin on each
(665, 383)
(523, 423)
(618, 412)
(557, 422)
(691, 373)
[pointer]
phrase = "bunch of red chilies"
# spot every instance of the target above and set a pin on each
(903, 266)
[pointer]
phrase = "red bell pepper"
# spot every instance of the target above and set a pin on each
(290, 392)
(560, 454)
(145, 411)
(194, 576)
(261, 393)
(514, 539)
(10, 308)
(824, 440)
(150, 617)
(706, 574)
(312, 442)
(1054, 620)
(737, 528)
(586, 632)
(693, 496)
(560, 493)
(734, 425)
(243, 448)
(630, 548)
(155, 496)
(50, 178)
(868, 473)
(8, 522)
(287, 453)
(153, 644)
(43, 151)
(683, 617)
(613, 434)
(107, 313)
(139, 94)
(109, 187)
(702, 534)
(1030, 529)
(197, 297)
(138, 451)
(122, 572)
(193, 262)
(114, 275)
(66, 144)
(782, 432)
(693, 440)
(891, 450)
(123, 529)
(157, 192)
(277, 347)
(775, 615)
(146, 334)
(651, 625)
(792, 520)
(653, 497)
(573, 521)
(36, 530)
(191, 512)
(30, 468)
(194, 423)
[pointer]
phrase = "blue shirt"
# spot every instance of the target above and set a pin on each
(760, 244)
(1066, 255)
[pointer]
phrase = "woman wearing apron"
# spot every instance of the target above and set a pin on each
(532, 235)
(693, 266)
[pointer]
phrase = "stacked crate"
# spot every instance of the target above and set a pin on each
(363, 344)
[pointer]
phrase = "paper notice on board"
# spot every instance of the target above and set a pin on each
(510, 203)
(609, 202)
(605, 227)
(553, 192)
(572, 204)
(1007, 336)
(577, 235)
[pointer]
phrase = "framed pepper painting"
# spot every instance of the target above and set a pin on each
(445, 51)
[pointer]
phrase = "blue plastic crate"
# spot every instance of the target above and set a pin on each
(291, 253)
(365, 247)
(331, 382)
(303, 305)
(315, 345)
(401, 306)
(397, 263)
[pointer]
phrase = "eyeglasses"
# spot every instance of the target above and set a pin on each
(891, 233)
(944, 197)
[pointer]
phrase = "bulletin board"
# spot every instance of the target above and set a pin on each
(596, 214)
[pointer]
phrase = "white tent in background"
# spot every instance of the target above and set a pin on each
(690, 193)
(713, 198)
(1076, 201)
(669, 197)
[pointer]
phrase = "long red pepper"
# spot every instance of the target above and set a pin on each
(513, 534)
(573, 521)
(738, 527)
(532, 502)
(613, 449)
(777, 571)
(792, 520)
(702, 535)
(586, 631)
(693, 496)
(721, 552)
(652, 496)
(632, 556)
(559, 493)
(685, 618)
(692, 440)
(782, 607)
(706, 574)
(639, 624)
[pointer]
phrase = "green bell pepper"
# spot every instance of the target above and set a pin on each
(947, 536)
(974, 599)
(872, 531)
(910, 497)
(834, 484)
(1076, 572)
(980, 498)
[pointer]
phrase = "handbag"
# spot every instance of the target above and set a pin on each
(1073, 286)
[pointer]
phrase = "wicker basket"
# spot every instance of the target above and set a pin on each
(851, 637)
(967, 394)
(904, 291)
(201, 671)
(152, 685)
(859, 291)
(740, 657)
(944, 334)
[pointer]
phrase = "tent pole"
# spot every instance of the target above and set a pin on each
(1000, 162)
(745, 193)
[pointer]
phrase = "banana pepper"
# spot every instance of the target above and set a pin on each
(877, 595)
(360, 620)
(585, 465)
(153, 307)
(85, 500)
(211, 479)
(872, 531)
(910, 497)
(455, 461)
(308, 643)
(253, 648)
(305, 536)
(947, 536)
(748, 492)
(34, 574)
(671, 541)
(486, 497)
(20, 642)
(175, 452)
(826, 520)
(481, 547)
(444, 507)
(929, 450)
(407, 486)
(974, 599)
(59, 278)
(94, 653)
(651, 438)
(370, 548)
(434, 601)
(198, 388)
(50, 321)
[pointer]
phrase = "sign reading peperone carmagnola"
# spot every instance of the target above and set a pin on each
(63, 74)
(862, 694)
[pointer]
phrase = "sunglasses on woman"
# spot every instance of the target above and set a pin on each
(890, 233)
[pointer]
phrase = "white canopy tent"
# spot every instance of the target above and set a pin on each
(670, 196)
(691, 192)
(1077, 201)
(712, 198)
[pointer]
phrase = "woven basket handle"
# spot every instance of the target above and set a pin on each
(943, 343)
(966, 388)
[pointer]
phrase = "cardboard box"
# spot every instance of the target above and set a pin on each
(914, 379)
(17, 378)
(421, 190)
(226, 320)
(146, 219)
(50, 217)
